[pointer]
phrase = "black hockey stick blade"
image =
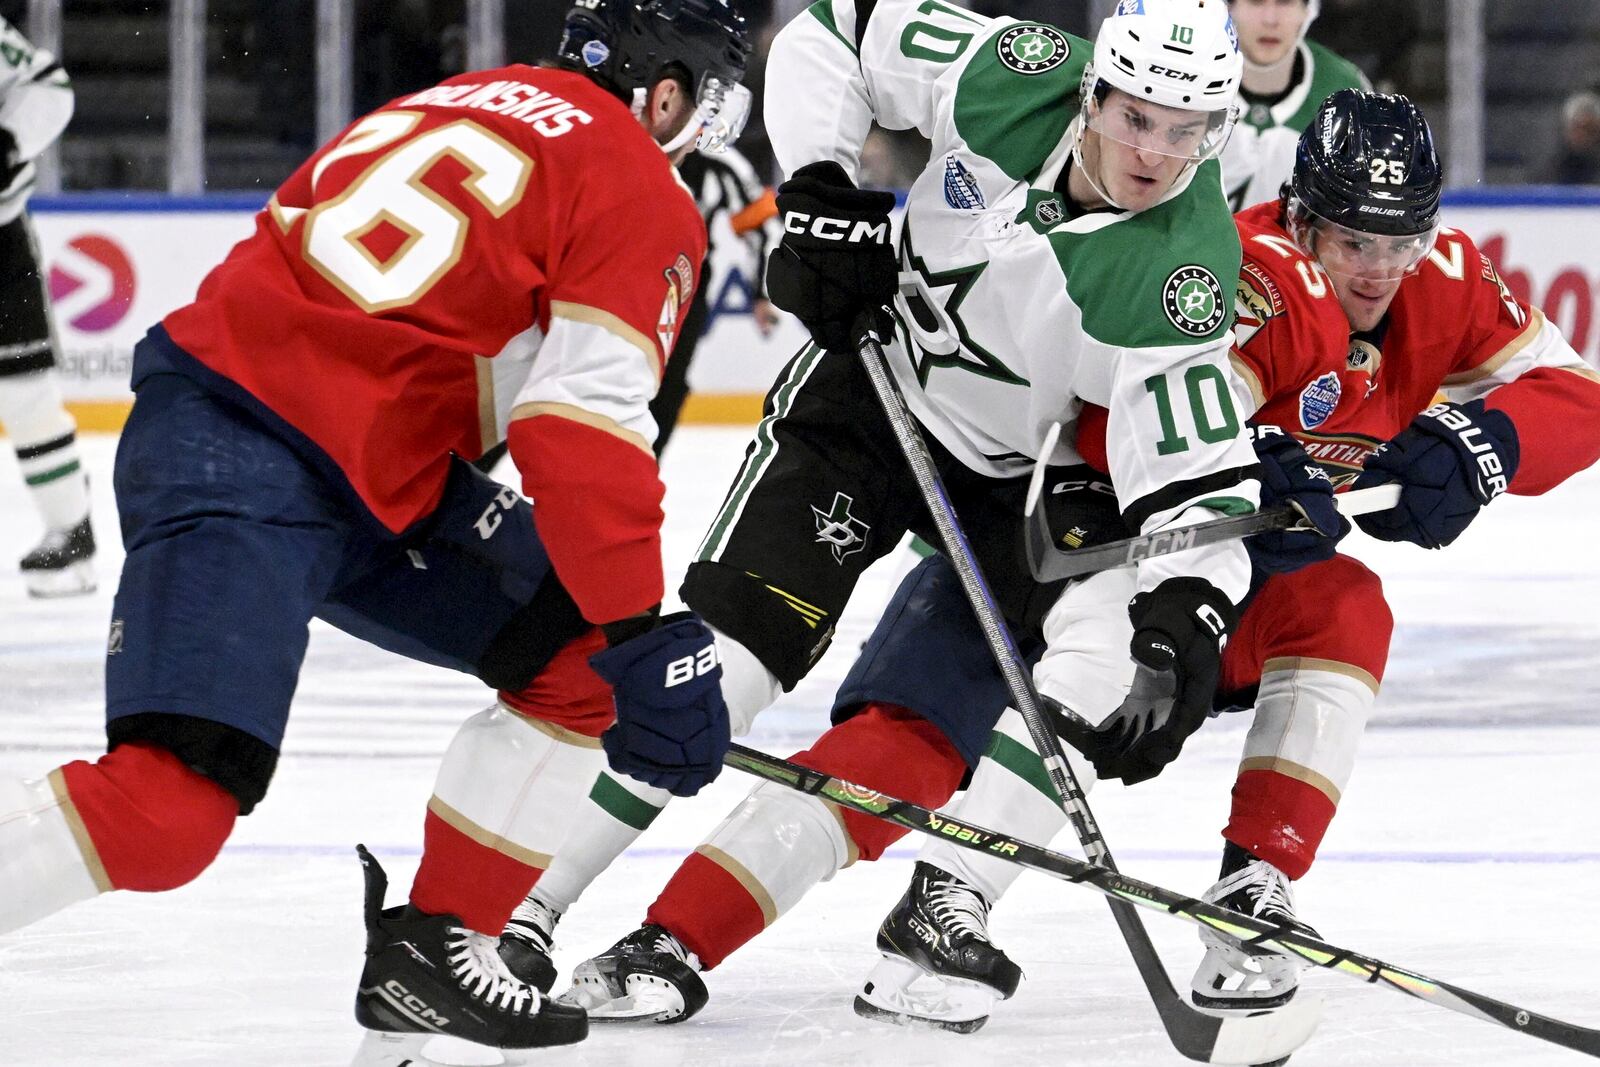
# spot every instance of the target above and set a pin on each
(1247, 930)
(1049, 562)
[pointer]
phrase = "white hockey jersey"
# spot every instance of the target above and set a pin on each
(1014, 308)
(35, 106)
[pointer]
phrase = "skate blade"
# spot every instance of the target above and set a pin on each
(639, 998)
(75, 579)
(379, 1049)
(899, 992)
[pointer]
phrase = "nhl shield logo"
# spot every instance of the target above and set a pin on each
(1032, 49)
(1318, 400)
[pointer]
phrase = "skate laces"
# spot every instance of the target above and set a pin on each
(476, 964)
(534, 921)
(959, 907)
(1267, 889)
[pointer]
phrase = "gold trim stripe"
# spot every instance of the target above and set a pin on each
(851, 851)
(463, 825)
(573, 413)
(550, 729)
(80, 833)
(1291, 769)
(742, 875)
(488, 428)
(1328, 666)
(1502, 357)
(1245, 371)
(563, 309)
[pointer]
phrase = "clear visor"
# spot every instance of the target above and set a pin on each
(722, 111)
(1154, 129)
(1355, 253)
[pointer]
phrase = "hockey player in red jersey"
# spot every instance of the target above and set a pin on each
(298, 446)
(1354, 309)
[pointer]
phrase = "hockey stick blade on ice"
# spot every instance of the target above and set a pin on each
(1246, 929)
(1049, 562)
(1194, 1034)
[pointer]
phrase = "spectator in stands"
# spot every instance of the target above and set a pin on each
(1577, 159)
(1375, 35)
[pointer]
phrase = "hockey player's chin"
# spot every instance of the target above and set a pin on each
(1137, 191)
(1365, 305)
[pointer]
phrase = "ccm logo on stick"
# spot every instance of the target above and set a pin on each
(826, 229)
(691, 667)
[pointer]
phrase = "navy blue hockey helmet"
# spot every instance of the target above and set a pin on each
(1367, 163)
(628, 42)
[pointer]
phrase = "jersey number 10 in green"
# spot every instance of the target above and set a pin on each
(1195, 380)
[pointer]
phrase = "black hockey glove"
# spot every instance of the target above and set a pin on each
(1179, 630)
(672, 724)
(1450, 462)
(835, 260)
(1288, 476)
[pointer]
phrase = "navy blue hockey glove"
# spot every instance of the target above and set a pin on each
(1288, 476)
(836, 260)
(1451, 461)
(672, 724)
(1179, 631)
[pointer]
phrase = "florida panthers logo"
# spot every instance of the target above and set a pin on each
(680, 287)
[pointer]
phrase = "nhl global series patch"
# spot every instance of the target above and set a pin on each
(961, 189)
(1318, 400)
(1193, 301)
(1032, 49)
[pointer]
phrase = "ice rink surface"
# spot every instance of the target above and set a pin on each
(1467, 846)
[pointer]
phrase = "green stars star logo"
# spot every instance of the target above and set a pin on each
(1032, 49)
(1192, 300)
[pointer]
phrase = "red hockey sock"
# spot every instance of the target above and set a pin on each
(1279, 819)
(461, 877)
(707, 909)
(154, 823)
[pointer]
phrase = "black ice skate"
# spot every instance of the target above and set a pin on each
(527, 942)
(939, 967)
(648, 976)
(62, 564)
(1231, 980)
(427, 975)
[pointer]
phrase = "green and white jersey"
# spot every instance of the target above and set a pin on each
(1012, 314)
(1259, 157)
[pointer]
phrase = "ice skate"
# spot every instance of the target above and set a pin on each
(1230, 980)
(648, 976)
(427, 975)
(62, 564)
(527, 942)
(939, 967)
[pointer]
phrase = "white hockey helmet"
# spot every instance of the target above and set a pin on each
(1179, 53)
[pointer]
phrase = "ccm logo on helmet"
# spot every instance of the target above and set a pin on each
(1470, 435)
(826, 229)
(1168, 72)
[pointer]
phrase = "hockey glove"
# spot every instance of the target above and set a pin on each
(1451, 461)
(672, 724)
(1179, 630)
(1288, 476)
(835, 260)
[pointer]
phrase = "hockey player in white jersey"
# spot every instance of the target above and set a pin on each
(35, 105)
(1065, 245)
(1286, 78)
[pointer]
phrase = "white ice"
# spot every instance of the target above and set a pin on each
(1466, 846)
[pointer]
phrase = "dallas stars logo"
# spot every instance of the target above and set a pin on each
(839, 528)
(949, 290)
(1032, 49)
(1192, 300)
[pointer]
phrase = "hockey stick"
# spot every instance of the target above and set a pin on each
(1124, 890)
(1049, 562)
(1193, 1033)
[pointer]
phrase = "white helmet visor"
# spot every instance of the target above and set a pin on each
(1155, 129)
(1353, 253)
(720, 114)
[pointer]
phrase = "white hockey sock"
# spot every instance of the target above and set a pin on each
(1010, 793)
(45, 439)
(777, 844)
(617, 810)
(42, 869)
(507, 780)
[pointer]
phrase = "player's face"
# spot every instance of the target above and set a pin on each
(1140, 149)
(1366, 269)
(1268, 29)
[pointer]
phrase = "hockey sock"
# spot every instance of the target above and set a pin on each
(617, 810)
(1297, 760)
(135, 819)
(777, 844)
(497, 814)
(45, 438)
(1011, 792)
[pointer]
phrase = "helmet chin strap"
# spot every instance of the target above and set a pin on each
(691, 128)
(1080, 130)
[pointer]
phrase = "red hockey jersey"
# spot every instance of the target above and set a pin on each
(399, 285)
(1453, 327)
